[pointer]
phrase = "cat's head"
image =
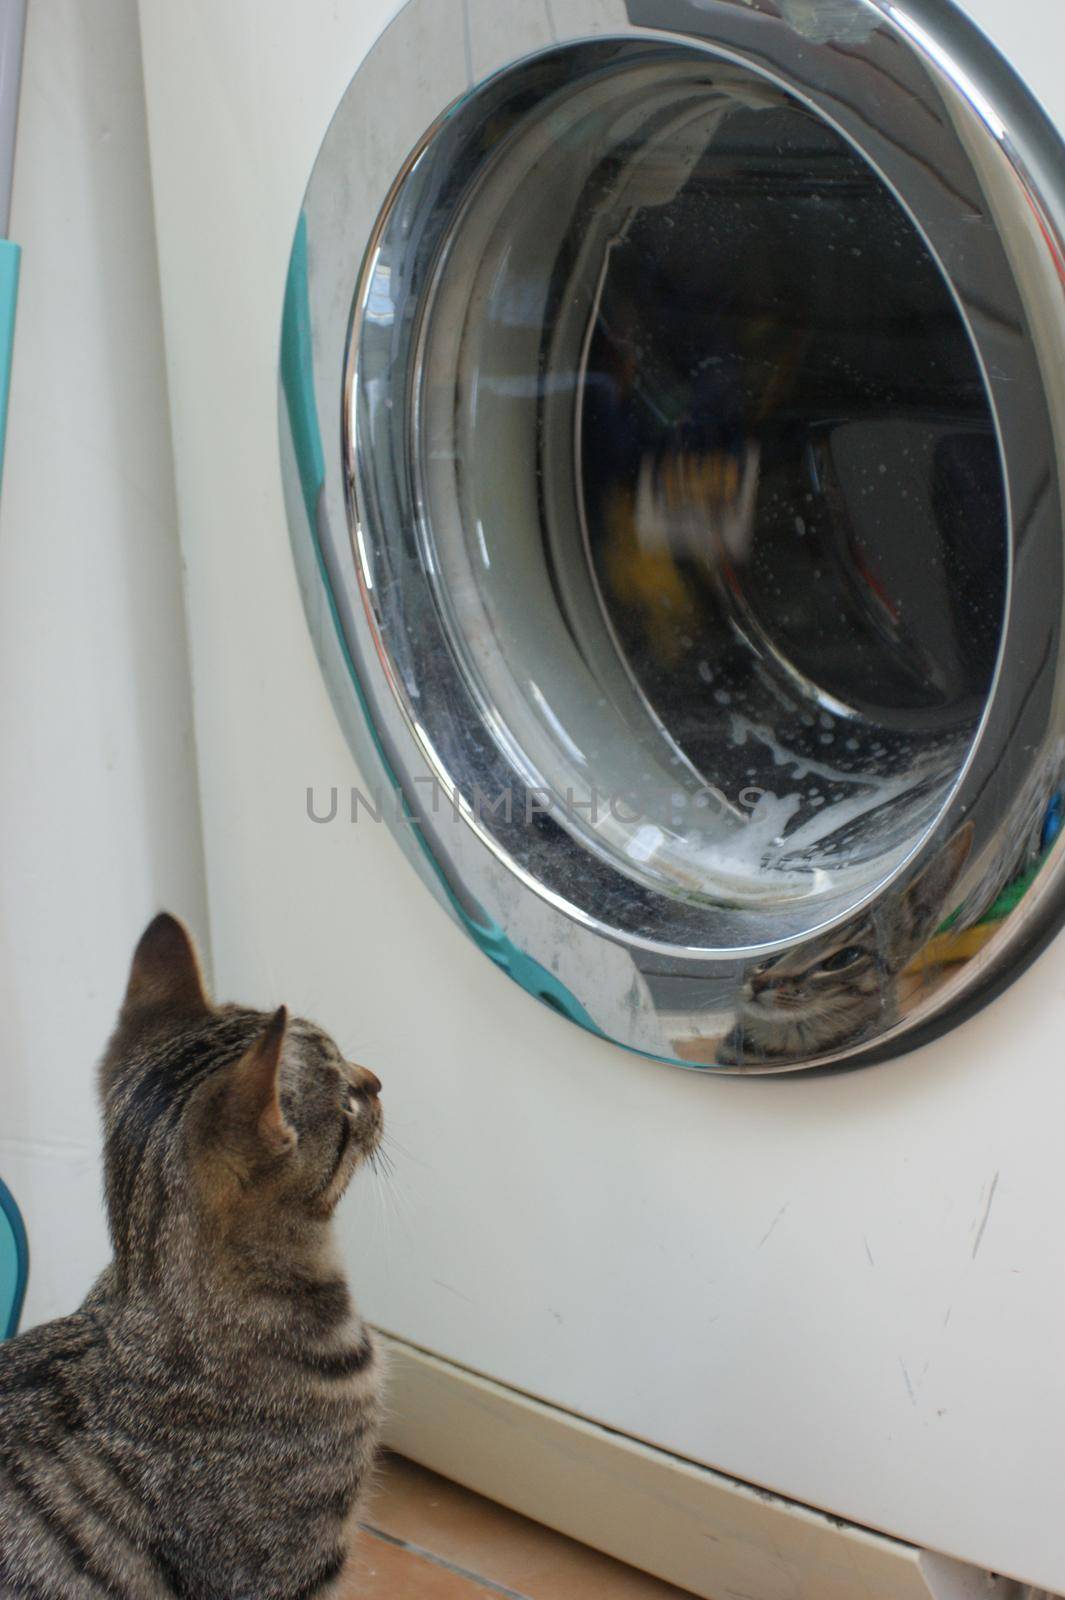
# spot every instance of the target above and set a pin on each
(807, 1001)
(834, 990)
(235, 1122)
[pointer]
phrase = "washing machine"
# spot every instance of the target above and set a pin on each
(619, 450)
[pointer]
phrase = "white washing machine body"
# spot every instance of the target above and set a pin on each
(844, 1286)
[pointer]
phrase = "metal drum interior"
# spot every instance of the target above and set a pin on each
(707, 479)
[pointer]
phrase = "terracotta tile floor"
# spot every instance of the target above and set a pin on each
(427, 1539)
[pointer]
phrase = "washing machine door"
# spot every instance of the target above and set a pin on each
(671, 417)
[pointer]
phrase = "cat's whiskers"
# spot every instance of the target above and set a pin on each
(392, 1202)
(408, 1155)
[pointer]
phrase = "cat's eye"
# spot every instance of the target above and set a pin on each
(850, 956)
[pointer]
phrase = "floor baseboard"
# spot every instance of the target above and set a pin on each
(692, 1527)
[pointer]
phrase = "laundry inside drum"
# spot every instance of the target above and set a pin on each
(709, 482)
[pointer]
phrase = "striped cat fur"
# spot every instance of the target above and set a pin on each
(202, 1426)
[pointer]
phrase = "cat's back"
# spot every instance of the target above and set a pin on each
(105, 1415)
(44, 1374)
(62, 1509)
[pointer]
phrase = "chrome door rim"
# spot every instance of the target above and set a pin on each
(653, 993)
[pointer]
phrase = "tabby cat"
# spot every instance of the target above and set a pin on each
(201, 1427)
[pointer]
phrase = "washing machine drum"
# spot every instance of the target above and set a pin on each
(671, 413)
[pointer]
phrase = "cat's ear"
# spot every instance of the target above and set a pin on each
(165, 975)
(253, 1093)
(924, 902)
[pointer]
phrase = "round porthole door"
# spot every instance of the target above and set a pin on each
(672, 406)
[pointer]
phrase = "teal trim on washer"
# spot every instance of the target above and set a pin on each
(297, 384)
(14, 1263)
(533, 978)
(296, 379)
(10, 261)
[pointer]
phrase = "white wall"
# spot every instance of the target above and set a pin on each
(98, 810)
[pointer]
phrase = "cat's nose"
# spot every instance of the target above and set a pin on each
(366, 1082)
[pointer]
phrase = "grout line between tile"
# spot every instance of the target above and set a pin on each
(441, 1561)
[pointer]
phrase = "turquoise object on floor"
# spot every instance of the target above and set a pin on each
(14, 1261)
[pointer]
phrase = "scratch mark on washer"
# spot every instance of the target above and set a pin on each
(456, 1292)
(773, 1224)
(906, 1379)
(551, 20)
(987, 1214)
(868, 1252)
